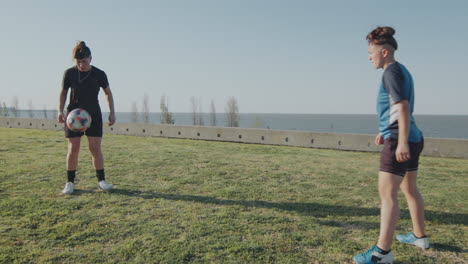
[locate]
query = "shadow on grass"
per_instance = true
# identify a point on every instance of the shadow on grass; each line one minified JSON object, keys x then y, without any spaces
{"x":446,"y":248}
{"x":352,"y":225}
{"x":78,"y":192}
{"x":310,"y":209}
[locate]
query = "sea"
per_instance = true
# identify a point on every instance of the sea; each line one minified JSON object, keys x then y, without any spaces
{"x":435,"y":126}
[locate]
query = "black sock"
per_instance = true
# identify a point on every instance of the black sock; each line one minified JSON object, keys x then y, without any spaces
{"x":419,"y":237}
{"x":100,"y":175}
{"x":71,"y":176}
{"x":384,"y":252}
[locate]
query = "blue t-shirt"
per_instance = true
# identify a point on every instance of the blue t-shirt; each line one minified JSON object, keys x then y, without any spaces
{"x":397,"y":85}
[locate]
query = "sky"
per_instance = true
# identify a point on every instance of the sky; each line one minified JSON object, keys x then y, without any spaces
{"x":272,"y":56}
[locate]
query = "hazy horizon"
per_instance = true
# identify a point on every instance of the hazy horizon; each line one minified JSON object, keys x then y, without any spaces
{"x":273,"y":56}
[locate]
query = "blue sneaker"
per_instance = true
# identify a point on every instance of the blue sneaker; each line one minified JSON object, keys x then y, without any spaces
{"x":411,"y":239}
{"x":374,"y":256}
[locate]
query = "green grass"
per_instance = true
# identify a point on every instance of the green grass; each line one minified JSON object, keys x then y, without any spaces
{"x":186,"y":201}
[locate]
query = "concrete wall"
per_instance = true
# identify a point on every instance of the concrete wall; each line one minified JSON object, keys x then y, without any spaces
{"x":453,"y":148}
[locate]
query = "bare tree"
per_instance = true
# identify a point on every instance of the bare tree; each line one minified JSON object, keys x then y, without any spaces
{"x":166,"y":116}
{"x":30,"y":109}
{"x":201,"y":122}
{"x":197,"y":117}
{"x":232,"y":112}
{"x":134,"y":116}
{"x":5,"y":110}
{"x":193,"y":105}
{"x":15,"y":106}
{"x":44,"y":111}
{"x":145,"y":109}
{"x":212,"y":113}
{"x":54,"y":113}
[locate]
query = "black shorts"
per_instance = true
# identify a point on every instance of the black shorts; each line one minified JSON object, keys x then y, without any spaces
{"x":389,"y":163}
{"x":95,"y":130}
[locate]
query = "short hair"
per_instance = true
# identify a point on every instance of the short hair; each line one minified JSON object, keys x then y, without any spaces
{"x":382,"y":36}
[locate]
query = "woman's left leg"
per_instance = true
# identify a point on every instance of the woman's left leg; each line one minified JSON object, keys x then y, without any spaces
{"x":96,"y":152}
{"x":98,"y":162}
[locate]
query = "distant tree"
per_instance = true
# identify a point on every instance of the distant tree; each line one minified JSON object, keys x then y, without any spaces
{"x":134,"y":115}
{"x":201,"y":121}
{"x":166,"y":116}
{"x":145,"y":109}
{"x":44,"y":111}
{"x":197,"y":117}
{"x":5,"y":111}
{"x":15,"y":106}
{"x":30,"y":109}
{"x":193,"y":105}
{"x":212,"y":113}
{"x":54,"y":113}
{"x":232,"y":112}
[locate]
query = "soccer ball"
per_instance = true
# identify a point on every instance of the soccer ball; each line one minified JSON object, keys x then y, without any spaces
{"x":78,"y":120}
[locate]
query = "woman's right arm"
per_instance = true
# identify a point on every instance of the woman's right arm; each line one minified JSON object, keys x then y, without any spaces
{"x":62,"y":99}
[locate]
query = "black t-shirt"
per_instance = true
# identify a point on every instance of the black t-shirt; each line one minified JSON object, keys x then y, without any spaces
{"x":85,"y":87}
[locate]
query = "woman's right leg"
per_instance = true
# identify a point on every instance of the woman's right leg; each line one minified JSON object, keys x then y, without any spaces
{"x":73,"y":152}
{"x":72,"y":163}
{"x":415,"y":202}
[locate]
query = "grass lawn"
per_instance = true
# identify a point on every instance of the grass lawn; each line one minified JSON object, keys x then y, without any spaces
{"x":187,"y":201}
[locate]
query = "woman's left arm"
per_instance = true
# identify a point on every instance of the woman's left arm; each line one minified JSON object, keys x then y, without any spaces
{"x":110,"y":102}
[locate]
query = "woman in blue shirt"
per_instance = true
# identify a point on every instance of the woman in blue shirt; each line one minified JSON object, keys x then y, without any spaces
{"x":403,"y":143}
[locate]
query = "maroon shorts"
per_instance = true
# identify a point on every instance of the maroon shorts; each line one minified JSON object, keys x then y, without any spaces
{"x":389,"y":163}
